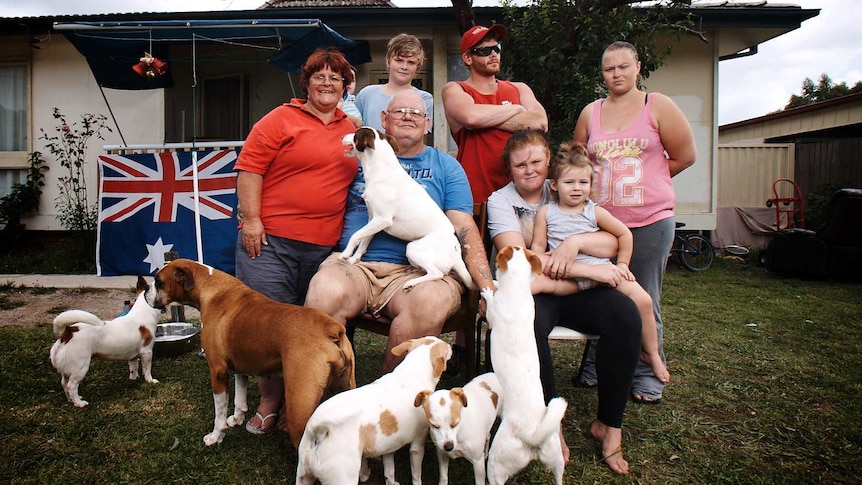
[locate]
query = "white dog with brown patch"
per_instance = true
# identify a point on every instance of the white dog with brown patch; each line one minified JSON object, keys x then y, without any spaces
{"x":374,"y":420}
{"x":401,"y":207}
{"x":460,"y":420}
{"x":83,"y":336}
{"x":529,"y":429}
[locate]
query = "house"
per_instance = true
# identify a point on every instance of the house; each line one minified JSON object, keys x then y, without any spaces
{"x":220,"y":88}
{"x":810,"y":145}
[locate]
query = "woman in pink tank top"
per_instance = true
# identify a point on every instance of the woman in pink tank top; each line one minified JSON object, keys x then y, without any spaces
{"x":637,"y":141}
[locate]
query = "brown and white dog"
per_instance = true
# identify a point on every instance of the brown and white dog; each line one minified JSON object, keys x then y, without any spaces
{"x":460,"y":420}
{"x":83,"y":336}
{"x":247,"y":333}
{"x":376,"y":419}
{"x":401,"y":207}
{"x":529,"y":429}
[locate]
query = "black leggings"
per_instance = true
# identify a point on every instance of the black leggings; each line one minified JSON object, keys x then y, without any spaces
{"x":615,"y":319}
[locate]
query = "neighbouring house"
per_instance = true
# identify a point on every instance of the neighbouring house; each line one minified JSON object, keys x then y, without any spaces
{"x":810,"y":145}
{"x":220,"y":86}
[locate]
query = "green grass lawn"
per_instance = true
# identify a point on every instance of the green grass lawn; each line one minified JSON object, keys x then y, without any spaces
{"x":766,"y":381}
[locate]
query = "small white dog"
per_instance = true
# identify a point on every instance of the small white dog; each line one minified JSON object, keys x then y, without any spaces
{"x":529,"y":430}
{"x":460,"y":421}
{"x":83,"y":335}
{"x":376,"y":419}
{"x":401,"y":207}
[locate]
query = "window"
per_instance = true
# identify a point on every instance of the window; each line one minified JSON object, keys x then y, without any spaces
{"x":13,"y":109}
{"x":14,"y":132}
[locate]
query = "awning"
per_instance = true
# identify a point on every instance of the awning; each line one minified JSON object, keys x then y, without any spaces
{"x":112,"y":48}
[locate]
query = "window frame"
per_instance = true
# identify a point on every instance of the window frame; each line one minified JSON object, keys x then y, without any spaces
{"x":18,"y":159}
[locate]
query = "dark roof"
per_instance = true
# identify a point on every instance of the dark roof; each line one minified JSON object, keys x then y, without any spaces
{"x":718,"y":15}
{"x":325,"y":3}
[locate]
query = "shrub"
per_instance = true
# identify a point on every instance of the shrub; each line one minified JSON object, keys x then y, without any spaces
{"x":23,"y":200}
{"x":69,"y":147}
{"x":817,"y":204}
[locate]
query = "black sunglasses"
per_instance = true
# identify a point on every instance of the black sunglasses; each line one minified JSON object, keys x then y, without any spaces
{"x":486,"y":51}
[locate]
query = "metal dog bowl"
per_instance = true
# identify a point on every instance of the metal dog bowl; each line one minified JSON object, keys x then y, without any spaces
{"x":175,"y":338}
{"x":736,"y":250}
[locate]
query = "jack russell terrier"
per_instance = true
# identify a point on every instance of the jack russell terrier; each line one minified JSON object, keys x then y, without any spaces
{"x":460,"y":421}
{"x":83,"y":335}
{"x":401,"y":207}
{"x":247,"y":333}
{"x":374,"y":420}
{"x":528,"y":430}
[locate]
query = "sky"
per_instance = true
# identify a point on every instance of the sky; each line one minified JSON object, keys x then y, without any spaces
{"x":749,"y":87}
{"x":829,"y":43}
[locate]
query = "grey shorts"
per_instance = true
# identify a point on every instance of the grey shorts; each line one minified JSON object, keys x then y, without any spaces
{"x":283,"y":270}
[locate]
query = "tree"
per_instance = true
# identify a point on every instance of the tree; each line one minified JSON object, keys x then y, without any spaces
{"x":464,"y":17}
{"x":556,"y":46}
{"x":823,"y":90}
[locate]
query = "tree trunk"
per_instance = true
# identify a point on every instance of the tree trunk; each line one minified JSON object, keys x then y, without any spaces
{"x":464,"y":17}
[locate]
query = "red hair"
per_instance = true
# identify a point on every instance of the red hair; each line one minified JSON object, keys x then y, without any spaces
{"x":321,"y":59}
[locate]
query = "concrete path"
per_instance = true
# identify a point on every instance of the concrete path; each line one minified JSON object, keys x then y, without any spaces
{"x":69,"y":281}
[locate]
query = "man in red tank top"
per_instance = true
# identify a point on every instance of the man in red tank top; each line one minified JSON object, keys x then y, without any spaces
{"x":483,"y":111}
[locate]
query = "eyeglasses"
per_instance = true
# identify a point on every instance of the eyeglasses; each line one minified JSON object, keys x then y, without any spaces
{"x":320,"y":79}
{"x":401,"y":113}
{"x":486,"y":51}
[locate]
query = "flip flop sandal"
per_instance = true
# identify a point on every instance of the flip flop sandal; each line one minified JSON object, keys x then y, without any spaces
{"x":262,"y":429}
{"x":610,"y":455}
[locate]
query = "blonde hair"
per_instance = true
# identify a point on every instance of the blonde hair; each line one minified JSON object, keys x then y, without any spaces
{"x":572,"y":154}
{"x":621,"y":44}
{"x":405,"y":45}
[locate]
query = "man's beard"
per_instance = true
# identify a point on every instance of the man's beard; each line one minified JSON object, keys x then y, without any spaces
{"x":486,"y":69}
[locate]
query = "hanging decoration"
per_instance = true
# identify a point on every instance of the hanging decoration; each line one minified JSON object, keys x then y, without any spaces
{"x":150,"y":66}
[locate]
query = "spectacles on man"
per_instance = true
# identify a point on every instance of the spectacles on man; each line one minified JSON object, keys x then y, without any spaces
{"x":486,"y":51}
{"x":401,"y":113}
{"x":320,"y":79}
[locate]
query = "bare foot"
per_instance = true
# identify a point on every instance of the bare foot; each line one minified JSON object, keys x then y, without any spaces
{"x":658,"y":368}
{"x":282,"y":420}
{"x":564,"y":446}
{"x":646,"y":399}
{"x":611,"y":440}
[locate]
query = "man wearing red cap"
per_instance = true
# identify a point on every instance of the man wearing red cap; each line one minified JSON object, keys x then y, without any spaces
{"x":483,"y":111}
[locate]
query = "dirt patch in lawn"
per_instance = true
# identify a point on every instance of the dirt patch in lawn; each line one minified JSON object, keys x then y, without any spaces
{"x":38,"y":306}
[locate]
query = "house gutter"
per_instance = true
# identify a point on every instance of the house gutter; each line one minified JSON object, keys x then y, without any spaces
{"x":743,"y":53}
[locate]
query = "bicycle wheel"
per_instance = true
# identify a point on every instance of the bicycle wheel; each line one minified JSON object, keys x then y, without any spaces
{"x":696,"y":253}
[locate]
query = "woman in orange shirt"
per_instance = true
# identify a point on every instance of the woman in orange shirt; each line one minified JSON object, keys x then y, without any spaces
{"x":292,"y":190}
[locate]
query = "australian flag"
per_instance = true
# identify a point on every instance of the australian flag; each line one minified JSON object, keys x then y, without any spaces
{"x":147,"y":207}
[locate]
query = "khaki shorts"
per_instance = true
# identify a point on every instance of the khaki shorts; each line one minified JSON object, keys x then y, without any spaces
{"x":382,"y":280}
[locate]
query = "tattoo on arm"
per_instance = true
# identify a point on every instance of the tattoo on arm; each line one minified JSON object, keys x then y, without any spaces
{"x":461,"y":234}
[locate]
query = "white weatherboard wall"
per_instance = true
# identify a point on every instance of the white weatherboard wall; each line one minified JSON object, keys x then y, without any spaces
{"x":61,"y":78}
{"x":689,"y":78}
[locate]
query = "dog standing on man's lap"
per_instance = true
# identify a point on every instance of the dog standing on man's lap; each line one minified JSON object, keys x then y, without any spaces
{"x":529,"y":429}
{"x":401,"y":207}
{"x":83,"y":336}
